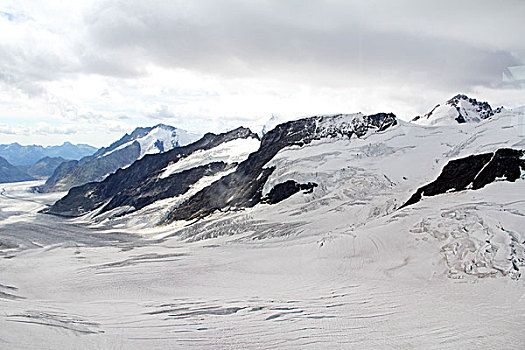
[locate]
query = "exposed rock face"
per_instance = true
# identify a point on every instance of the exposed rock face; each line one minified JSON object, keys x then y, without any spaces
{"x":482,"y":109}
{"x":141,"y":183}
{"x":287,"y":189}
{"x":122,"y":153}
{"x":474,"y":172}
{"x":172,"y":186}
{"x":75,"y":173}
{"x":10,"y":173}
{"x":243,"y":188}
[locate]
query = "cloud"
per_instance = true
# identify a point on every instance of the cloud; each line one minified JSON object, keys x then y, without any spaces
{"x":162,"y":112}
{"x":331,"y":43}
{"x":7,"y":129}
{"x":39,"y":129}
{"x":47,"y":129}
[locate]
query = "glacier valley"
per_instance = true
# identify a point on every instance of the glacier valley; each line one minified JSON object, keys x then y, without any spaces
{"x":248,"y":255}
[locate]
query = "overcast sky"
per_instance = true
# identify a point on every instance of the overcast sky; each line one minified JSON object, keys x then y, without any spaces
{"x":90,"y":71}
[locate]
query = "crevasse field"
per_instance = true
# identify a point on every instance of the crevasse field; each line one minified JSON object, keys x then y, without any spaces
{"x":342,"y":267}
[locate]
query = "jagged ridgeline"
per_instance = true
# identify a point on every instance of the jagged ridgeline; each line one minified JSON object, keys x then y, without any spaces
{"x":240,"y":183}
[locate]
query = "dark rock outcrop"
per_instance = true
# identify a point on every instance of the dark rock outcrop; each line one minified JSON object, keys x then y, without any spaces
{"x":287,"y":189}
{"x":474,"y":172}
{"x":483,"y":109}
{"x":172,"y":186}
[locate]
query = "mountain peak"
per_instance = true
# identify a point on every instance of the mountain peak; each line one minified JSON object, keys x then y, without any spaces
{"x":458,"y":110}
{"x":163,"y":126}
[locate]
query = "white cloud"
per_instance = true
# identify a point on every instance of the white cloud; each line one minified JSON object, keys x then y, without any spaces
{"x":40,"y":128}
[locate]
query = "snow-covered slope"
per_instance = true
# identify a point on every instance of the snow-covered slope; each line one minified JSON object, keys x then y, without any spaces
{"x":376,"y":162}
{"x":157,"y":139}
{"x":234,"y":151}
{"x":459,"y":109}
{"x":335,"y":169}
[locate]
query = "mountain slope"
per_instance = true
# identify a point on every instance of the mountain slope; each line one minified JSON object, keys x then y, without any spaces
{"x":239,"y":188}
{"x":469,"y":232}
{"x":26,"y":155}
{"x":244,"y":187}
{"x":122,"y":153}
{"x":160,"y":176}
{"x":157,"y":139}
{"x":44,"y":168}
{"x":10,"y":173}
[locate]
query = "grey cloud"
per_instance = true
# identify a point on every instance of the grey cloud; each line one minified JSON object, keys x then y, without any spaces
{"x":119,"y":63}
{"x":27,"y":68}
{"x":315,"y":42}
{"x":338,"y":43}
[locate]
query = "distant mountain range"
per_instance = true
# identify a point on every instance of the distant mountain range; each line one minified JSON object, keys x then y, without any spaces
{"x":17,"y":154}
{"x":71,"y":165}
{"x":37,"y":171}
